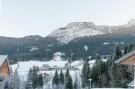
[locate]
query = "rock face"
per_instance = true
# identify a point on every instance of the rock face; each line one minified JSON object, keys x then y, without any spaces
{"x":86,"y":29}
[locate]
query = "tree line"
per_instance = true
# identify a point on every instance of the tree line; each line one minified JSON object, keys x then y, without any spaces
{"x":34,"y":79}
{"x":109,"y":74}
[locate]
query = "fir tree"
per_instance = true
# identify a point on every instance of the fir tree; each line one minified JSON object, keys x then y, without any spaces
{"x":97,"y":71}
{"x":68,"y":81}
{"x":85,"y":74}
{"x":118,"y":53}
{"x":125,"y":50}
{"x":56,"y":78}
{"x":118,"y":72}
{"x":61,"y":77}
{"x":16,"y":80}
{"x":29,"y":80}
{"x":40,"y":81}
{"x":67,"y":73}
{"x":34,"y":77}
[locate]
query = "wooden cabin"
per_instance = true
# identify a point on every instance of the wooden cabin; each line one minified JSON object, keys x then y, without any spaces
{"x":128,"y":59}
{"x":4,"y":70}
{"x":4,"y":66}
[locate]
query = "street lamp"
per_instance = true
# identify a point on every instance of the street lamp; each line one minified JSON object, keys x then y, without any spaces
{"x":90,"y":83}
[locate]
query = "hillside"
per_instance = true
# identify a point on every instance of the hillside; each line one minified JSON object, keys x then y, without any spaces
{"x":76,"y":40}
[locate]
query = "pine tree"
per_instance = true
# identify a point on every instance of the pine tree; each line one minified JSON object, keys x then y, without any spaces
{"x":68,"y":81}
{"x":29,"y":80}
{"x":114,"y":76}
{"x":61,"y":77}
{"x":16,"y":80}
{"x":103,"y":83}
{"x":109,"y":74}
{"x":118,"y":72}
{"x":34,"y":77}
{"x":61,"y":80}
{"x":118,"y":53}
{"x":40,"y":81}
{"x":56,"y":78}
{"x":85,"y":74}
{"x":125,"y":50}
{"x":130,"y":48}
{"x":67,"y":73}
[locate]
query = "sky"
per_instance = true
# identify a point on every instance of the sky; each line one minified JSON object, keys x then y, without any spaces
{"x":20,"y":18}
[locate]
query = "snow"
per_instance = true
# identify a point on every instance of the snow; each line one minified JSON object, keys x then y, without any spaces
{"x":116,"y":43}
{"x":106,"y":43}
{"x":57,"y":56}
{"x":85,"y":29}
{"x":75,"y":30}
{"x":34,"y":48}
{"x":131,"y":23}
{"x":24,"y":67}
{"x":86,"y":48}
{"x":77,"y":63}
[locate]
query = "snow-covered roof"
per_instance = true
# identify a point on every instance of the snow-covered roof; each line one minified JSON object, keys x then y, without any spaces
{"x":2,"y":59}
{"x":125,"y":57}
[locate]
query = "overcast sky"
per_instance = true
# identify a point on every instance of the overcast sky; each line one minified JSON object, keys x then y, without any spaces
{"x":40,"y":17}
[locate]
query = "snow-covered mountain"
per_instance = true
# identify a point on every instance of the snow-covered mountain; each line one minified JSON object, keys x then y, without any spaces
{"x":131,"y":23}
{"x":85,"y":29}
{"x":75,"y":30}
{"x":80,"y":39}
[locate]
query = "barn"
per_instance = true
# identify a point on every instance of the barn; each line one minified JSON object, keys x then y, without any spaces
{"x":4,"y":70}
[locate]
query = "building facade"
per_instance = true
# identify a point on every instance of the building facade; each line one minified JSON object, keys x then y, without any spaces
{"x":4,"y":70}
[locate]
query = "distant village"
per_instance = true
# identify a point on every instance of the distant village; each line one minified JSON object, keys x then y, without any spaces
{"x":46,"y":68}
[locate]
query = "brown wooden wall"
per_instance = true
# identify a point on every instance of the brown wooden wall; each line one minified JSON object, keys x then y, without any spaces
{"x":4,"y":69}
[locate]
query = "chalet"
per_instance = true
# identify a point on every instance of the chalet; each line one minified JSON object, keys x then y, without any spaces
{"x":4,"y":70}
{"x":128,"y":59}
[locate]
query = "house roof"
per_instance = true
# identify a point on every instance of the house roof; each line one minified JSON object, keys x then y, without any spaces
{"x":2,"y":59}
{"x":125,"y":57}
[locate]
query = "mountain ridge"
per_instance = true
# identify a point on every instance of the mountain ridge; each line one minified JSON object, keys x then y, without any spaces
{"x":104,"y":44}
{"x":81,"y":29}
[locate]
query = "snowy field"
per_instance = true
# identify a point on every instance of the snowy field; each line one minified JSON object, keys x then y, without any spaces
{"x":24,"y":67}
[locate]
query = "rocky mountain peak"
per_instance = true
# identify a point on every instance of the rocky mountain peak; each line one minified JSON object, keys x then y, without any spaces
{"x":81,"y":25}
{"x":131,"y":23}
{"x":86,"y":29}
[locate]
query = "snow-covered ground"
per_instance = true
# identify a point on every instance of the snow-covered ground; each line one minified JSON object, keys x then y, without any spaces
{"x":24,"y":67}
